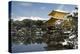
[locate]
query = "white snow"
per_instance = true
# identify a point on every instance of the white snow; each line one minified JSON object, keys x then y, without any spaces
{"x":32,"y":17}
{"x":61,"y":11}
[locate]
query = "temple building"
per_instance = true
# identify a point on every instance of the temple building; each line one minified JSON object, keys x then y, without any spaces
{"x":56,"y":17}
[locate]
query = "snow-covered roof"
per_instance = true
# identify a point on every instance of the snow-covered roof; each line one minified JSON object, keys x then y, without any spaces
{"x":61,"y":11}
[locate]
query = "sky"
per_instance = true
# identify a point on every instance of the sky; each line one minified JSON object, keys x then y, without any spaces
{"x":35,"y":11}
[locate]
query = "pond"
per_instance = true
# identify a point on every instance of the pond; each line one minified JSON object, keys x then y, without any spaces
{"x":28,"y":48}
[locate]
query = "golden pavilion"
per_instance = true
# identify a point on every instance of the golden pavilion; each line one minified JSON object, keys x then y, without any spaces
{"x":56,"y":15}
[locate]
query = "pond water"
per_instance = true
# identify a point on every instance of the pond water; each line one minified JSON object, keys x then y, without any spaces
{"x":29,"y":47}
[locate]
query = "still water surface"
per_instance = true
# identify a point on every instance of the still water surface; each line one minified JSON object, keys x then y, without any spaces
{"x":28,"y":48}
